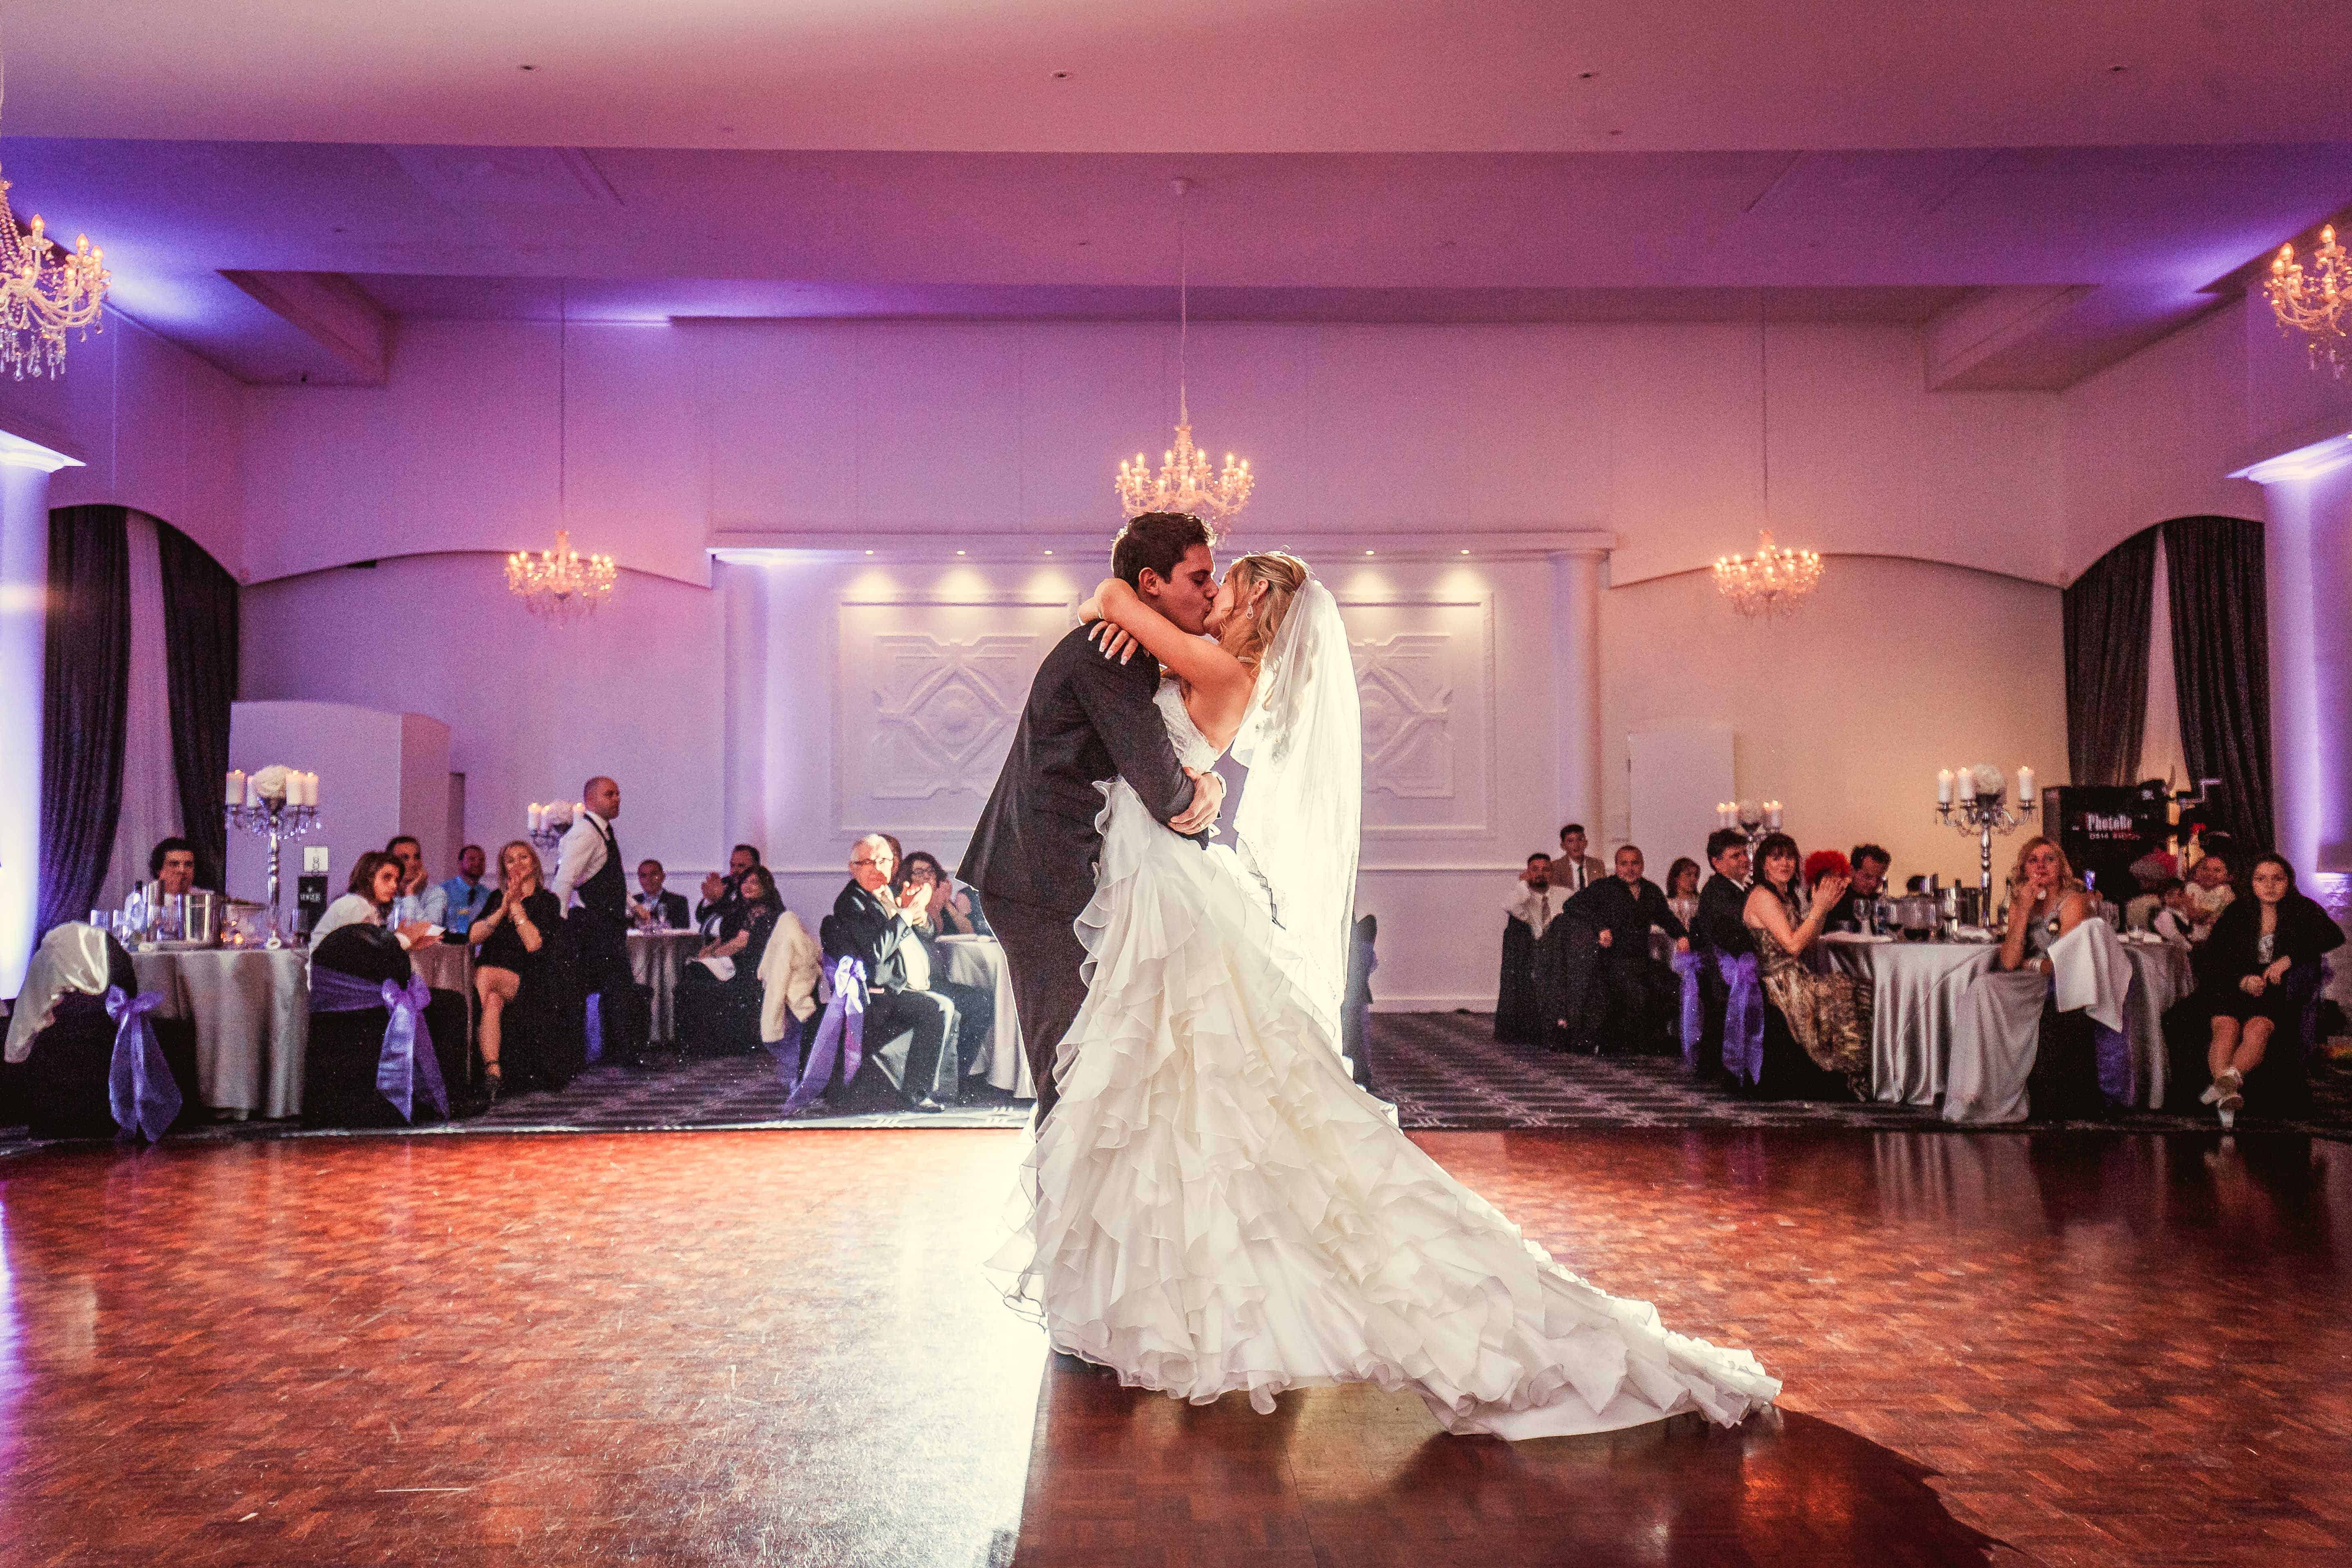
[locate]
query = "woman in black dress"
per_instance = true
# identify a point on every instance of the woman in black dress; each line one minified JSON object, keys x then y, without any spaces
{"x":512,"y":960}
{"x":2254,"y":973}
{"x":721,"y":1018}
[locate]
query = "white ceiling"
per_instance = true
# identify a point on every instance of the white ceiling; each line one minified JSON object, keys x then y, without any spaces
{"x":1243,"y":76}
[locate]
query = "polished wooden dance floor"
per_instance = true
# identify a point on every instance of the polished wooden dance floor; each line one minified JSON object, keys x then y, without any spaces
{"x":778,"y":1348}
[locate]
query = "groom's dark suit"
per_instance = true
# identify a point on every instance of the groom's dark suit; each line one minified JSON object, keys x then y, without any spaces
{"x":1088,"y":720}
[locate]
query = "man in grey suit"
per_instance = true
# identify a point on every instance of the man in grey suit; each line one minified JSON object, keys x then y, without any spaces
{"x":1089,"y":719}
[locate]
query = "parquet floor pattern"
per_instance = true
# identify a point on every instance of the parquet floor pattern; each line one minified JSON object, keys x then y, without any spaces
{"x":746,"y":1348}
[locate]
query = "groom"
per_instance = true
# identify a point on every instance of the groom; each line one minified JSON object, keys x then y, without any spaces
{"x":1088,"y":720}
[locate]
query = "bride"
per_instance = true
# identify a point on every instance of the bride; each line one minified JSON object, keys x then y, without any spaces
{"x":1215,"y":1204}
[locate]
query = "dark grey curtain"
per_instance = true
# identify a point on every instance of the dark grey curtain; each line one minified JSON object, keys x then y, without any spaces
{"x":2107,"y":613}
{"x":86,"y":670}
{"x":2222,"y":665}
{"x":200,"y":644}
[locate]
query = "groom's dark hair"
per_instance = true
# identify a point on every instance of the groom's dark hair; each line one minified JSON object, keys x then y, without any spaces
{"x":1157,"y":540}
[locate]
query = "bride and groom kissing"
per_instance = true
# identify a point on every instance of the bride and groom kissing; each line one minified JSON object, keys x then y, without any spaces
{"x":1213,"y":1204}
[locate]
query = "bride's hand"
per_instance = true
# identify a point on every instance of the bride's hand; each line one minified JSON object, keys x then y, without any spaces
{"x":1115,"y":644}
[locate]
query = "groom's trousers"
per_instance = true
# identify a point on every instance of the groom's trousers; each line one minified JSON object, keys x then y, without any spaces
{"x":1043,"y":950}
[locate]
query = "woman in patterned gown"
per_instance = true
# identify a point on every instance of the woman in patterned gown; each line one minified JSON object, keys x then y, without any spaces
{"x":1829,"y":1015}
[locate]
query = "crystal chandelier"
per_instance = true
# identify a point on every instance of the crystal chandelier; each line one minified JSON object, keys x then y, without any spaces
{"x":2314,"y":302}
{"x":45,"y":291}
{"x":562,"y":584}
{"x":1771,"y":580}
{"x":1184,"y":482}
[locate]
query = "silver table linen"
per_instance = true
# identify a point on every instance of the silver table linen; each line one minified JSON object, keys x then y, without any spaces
{"x":2000,"y":1030}
{"x":980,"y":960}
{"x":1915,"y":989}
{"x":655,"y":957}
{"x":251,"y":1007}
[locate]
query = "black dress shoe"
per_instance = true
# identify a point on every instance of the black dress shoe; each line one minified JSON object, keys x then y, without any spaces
{"x":929,"y":1106}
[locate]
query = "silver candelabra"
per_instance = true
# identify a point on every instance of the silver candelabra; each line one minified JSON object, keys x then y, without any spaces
{"x":1984,"y":815}
{"x":546,"y":837}
{"x":277,"y":822}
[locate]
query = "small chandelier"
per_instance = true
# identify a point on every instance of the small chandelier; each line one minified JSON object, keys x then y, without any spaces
{"x":2314,"y":302}
{"x":1184,"y":482}
{"x":1769,"y":581}
{"x":45,"y":291}
{"x":562,"y":584}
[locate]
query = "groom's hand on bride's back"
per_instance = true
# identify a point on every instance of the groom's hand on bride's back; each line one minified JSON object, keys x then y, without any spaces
{"x":1208,"y":799}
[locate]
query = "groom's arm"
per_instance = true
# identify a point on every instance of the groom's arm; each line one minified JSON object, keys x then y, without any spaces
{"x":1123,"y":714}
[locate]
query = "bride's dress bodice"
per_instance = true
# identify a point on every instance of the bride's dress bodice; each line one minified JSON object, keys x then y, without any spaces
{"x":1193,"y":747}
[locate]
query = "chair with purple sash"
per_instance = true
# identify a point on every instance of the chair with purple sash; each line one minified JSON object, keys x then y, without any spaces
{"x":1730,"y":1033}
{"x":85,"y":1061}
{"x":372,"y":1061}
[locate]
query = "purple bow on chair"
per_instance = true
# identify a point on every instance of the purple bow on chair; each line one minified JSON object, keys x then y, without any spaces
{"x":1743,"y":1018}
{"x":1693,"y":1021}
{"x":407,"y":1058}
{"x":841,"y":1031}
{"x":139,"y":1087}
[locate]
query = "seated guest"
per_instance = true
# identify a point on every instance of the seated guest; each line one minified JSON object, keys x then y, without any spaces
{"x":1528,"y":915}
{"x":934,"y":915}
{"x":418,"y":899}
{"x":374,"y":885}
{"x":1719,"y":937}
{"x":515,"y":964}
{"x":1867,"y":865}
{"x":2257,"y":970}
{"x":718,"y":892}
{"x":173,"y":866}
{"x":466,"y":895}
{"x":1827,"y":1015}
{"x":2046,"y":900}
{"x":652,"y":909}
{"x":2209,"y":893}
{"x":2174,"y":917}
{"x":2149,"y":874}
{"x":1682,"y":888}
{"x":869,"y":924}
{"x":947,"y":909}
{"x":719,"y":991}
{"x":1634,"y":986}
{"x":1572,"y":870}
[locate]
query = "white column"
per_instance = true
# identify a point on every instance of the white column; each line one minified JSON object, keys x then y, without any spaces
{"x":25,"y":470}
{"x":2307,"y":539}
{"x":1576,"y":684}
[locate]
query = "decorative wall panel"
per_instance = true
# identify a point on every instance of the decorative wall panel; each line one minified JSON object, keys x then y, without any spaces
{"x":1424,"y":669}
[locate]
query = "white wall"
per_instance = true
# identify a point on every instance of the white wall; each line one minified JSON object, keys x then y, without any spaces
{"x":380,"y":773}
{"x":533,"y":710}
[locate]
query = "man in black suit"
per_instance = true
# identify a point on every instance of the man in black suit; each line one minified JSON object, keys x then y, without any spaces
{"x":721,"y":895}
{"x":652,"y":907}
{"x":1628,"y":1000}
{"x":1720,"y":929}
{"x":1088,"y":720}
{"x":869,"y":924}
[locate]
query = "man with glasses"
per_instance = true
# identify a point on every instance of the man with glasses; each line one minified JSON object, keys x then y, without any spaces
{"x":869,"y":924}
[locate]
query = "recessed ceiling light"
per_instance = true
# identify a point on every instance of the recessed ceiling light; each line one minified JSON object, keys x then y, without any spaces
{"x":527,"y":68}
{"x":1061,"y":75}
{"x":1616,"y":133}
{"x":2117,"y":71}
{"x":869,"y":553}
{"x":959,"y":552}
{"x":1367,"y":553}
{"x":1584,"y":76}
{"x":1049,"y":552}
{"x":1466,"y":553}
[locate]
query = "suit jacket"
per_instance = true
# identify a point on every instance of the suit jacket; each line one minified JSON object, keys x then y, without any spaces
{"x":869,"y":926}
{"x":1718,"y":926}
{"x":671,"y":907}
{"x":1593,"y":873}
{"x":1088,"y":719}
{"x":1626,"y":911}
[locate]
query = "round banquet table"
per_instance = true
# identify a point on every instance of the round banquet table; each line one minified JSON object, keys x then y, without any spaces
{"x":980,"y":960}
{"x":251,"y":1009}
{"x":654,"y":959}
{"x":1917,"y":986}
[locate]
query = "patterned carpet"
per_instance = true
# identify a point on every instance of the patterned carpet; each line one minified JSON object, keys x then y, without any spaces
{"x":1444,"y":1071}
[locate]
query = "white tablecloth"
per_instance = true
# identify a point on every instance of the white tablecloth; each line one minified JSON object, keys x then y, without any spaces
{"x":251,"y":1007}
{"x":1917,"y":987}
{"x":980,"y":960}
{"x":654,"y":959}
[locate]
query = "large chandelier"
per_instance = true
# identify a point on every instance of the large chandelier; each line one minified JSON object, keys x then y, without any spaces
{"x":2314,"y":302}
{"x":1184,"y":482}
{"x":45,"y":291}
{"x":1769,"y":581}
{"x":562,"y":584}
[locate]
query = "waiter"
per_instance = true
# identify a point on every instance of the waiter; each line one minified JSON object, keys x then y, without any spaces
{"x":588,"y":862}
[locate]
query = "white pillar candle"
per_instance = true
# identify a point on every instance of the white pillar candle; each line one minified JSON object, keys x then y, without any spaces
{"x":1966,"y":776}
{"x":1943,"y":786}
{"x":293,"y":787}
{"x":537,"y":818}
{"x":1772,"y":815}
{"x":2025,"y":786}
{"x":311,"y":791}
{"x":252,"y":791}
{"x":236,"y":787}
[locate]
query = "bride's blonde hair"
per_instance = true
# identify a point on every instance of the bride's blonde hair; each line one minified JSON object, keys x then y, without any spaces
{"x":1265,"y":585}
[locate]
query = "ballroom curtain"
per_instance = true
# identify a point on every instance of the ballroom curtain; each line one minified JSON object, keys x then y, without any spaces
{"x":200,"y":631}
{"x":2106,"y":613}
{"x":148,"y":810}
{"x":86,"y":669}
{"x":2222,"y":665}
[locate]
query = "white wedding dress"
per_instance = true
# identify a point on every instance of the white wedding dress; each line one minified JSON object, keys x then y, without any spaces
{"x":1215,"y":1206}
